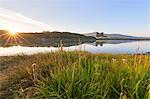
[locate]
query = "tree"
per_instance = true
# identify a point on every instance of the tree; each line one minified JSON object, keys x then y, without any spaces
{"x":102,"y":34}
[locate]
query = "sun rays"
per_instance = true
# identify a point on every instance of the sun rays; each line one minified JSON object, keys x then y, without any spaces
{"x":16,"y":22}
{"x":11,"y":37}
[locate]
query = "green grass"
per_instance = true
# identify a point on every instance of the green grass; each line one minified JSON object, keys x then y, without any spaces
{"x":76,"y":75}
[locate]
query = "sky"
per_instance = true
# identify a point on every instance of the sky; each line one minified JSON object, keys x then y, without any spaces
{"x":129,"y":17}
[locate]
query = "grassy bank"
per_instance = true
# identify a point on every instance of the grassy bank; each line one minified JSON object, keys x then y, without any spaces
{"x":76,"y":75}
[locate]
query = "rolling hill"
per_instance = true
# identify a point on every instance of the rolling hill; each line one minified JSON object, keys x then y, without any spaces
{"x":45,"y":38}
{"x":114,"y":36}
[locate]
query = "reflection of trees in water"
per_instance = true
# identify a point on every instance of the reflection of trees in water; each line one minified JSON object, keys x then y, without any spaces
{"x":68,"y":42}
{"x":102,"y":42}
{"x":53,"y":43}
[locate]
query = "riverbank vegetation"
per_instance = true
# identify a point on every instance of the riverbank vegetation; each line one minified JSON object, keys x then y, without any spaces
{"x":75,"y":75}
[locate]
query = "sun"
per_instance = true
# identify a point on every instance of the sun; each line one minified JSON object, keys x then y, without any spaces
{"x":13,"y":31}
{"x":12,"y":36}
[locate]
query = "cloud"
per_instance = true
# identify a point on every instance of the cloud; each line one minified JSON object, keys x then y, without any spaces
{"x":14,"y":20}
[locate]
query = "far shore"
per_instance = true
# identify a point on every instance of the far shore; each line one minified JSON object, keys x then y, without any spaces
{"x":136,"y":39}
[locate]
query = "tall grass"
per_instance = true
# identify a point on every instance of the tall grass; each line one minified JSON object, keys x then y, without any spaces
{"x":78,"y":75}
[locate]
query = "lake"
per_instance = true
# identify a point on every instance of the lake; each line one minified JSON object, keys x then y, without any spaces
{"x":114,"y":46}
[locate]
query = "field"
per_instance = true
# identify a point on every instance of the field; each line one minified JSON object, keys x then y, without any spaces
{"x":75,"y":75}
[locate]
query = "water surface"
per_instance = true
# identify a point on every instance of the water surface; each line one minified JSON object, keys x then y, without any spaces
{"x":115,"y":47}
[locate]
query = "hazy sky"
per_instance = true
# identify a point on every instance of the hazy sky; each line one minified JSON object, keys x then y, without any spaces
{"x":130,"y":17}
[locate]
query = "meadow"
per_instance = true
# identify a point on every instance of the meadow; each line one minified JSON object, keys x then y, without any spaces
{"x":75,"y":74}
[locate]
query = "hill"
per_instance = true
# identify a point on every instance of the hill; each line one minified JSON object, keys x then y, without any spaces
{"x":45,"y":39}
{"x":104,"y":36}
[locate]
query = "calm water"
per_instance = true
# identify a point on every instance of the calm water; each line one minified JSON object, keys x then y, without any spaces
{"x":114,"y":47}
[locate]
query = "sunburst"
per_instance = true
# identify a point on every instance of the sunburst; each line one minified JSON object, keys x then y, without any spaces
{"x":11,"y":37}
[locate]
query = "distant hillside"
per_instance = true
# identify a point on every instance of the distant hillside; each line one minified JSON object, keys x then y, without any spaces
{"x":47,"y":39}
{"x":103,"y":36}
{"x":93,"y":34}
{"x":3,"y":31}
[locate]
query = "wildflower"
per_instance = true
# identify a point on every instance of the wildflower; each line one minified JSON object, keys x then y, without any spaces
{"x":33,"y":66}
{"x":123,"y":95}
{"x":124,"y":60}
{"x":34,"y":72}
{"x":113,"y":59}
